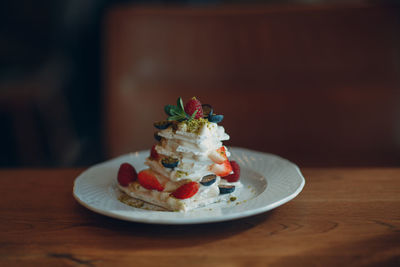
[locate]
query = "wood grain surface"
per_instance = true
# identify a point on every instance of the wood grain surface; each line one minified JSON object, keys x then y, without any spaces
{"x":343,"y":217}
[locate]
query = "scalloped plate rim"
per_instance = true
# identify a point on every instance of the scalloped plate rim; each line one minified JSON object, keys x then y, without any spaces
{"x":196,"y":220}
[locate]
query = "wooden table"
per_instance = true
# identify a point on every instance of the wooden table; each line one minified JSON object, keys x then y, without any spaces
{"x":343,"y":217}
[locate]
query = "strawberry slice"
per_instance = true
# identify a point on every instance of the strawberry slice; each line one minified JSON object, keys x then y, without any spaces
{"x":234,"y":177}
{"x":126,"y":174}
{"x":219,"y":155}
{"x":186,"y":190}
{"x":222,"y":169}
{"x":148,"y":180}
{"x":153,"y":153}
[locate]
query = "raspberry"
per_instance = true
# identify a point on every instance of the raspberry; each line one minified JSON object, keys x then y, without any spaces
{"x":234,"y":177}
{"x":192,"y":106}
{"x":153,"y":153}
{"x":126,"y":174}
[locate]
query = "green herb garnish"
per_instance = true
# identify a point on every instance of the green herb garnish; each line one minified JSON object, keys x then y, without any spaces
{"x":177,"y":113}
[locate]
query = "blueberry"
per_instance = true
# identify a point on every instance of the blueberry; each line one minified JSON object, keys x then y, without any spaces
{"x":208,"y":179}
{"x":169,"y":162}
{"x":157,"y":137}
{"x":226,"y":189}
{"x":162,"y":124}
{"x":215,"y":118}
{"x":207,"y":110}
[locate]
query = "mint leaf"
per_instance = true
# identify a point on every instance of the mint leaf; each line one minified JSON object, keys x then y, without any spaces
{"x":176,"y":113}
{"x":179,"y":103}
{"x":168,"y":108}
{"x":179,"y":117}
{"x":173,"y":118}
{"x":194,"y":114}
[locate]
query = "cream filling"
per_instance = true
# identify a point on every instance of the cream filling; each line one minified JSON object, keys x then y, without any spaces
{"x":206,"y":195}
{"x":206,"y":134}
{"x":193,"y":151}
{"x":193,"y":171}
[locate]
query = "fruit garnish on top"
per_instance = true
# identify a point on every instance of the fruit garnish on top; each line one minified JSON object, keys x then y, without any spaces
{"x":178,"y":112}
{"x":193,"y":110}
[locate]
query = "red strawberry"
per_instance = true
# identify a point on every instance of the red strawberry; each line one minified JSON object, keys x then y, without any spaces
{"x":234,"y":177}
{"x":148,"y":180}
{"x":186,"y":190}
{"x":126,"y":174}
{"x":219,"y":155}
{"x":222,"y":169}
{"x":192,"y":106}
{"x":153,"y":153}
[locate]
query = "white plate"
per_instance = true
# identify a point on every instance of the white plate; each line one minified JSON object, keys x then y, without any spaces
{"x":269,"y":181}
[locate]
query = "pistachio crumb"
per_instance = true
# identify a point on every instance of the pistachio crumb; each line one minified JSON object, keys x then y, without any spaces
{"x":180,"y":174}
{"x":194,"y":126}
{"x":130,"y":201}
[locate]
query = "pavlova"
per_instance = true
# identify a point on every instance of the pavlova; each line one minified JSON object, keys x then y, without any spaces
{"x":188,"y":167}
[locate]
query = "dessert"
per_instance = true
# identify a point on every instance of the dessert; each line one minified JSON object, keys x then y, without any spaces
{"x":189,"y":165}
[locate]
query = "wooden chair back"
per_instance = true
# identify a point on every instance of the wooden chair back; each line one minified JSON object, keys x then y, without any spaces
{"x":316,"y":84}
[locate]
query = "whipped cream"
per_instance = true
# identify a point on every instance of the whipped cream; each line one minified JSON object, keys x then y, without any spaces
{"x":196,"y":147}
{"x":191,"y":149}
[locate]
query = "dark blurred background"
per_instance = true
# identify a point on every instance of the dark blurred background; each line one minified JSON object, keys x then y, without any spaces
{"x":314,"y":81}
